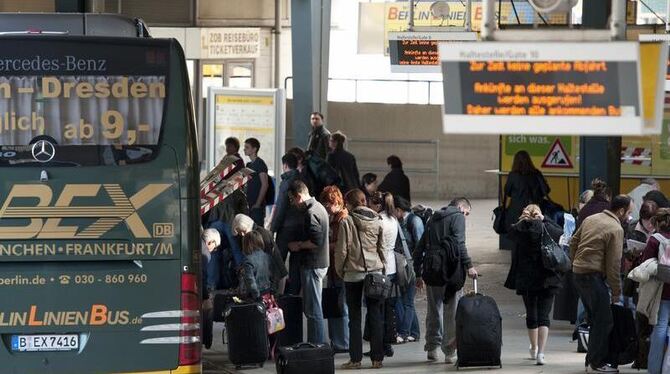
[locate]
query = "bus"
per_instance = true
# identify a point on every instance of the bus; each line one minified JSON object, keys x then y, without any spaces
{"x":99,"y":205}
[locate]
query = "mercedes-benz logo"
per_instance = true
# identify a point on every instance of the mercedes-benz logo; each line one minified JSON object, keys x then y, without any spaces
{"x":43,"y":151}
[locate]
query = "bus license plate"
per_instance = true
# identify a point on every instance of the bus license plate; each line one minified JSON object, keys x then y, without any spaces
{"x":45,"y":343}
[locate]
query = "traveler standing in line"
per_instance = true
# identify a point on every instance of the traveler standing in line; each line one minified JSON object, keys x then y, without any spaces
{"x":256,"y":278}
{"x":396,"y":182}
{"x":441,"y":324}
{"x":232,"y":145}
{"x":319,"y":136}
{"x":596,"y":249}
{"x":369,"y":185}
{"x":314,"y":257}
{"x":602,"y":195}
{"x":338,"y":329}
{"x":525,"y":185}
{"x":306,"y":174}
{"x":358,"y":252}
{"x":660,"y":331}
{"x":536,"y":284}
{"x":343,"y":162}
{"x":412,"y":230}
{"x":258,"y":186}
{"x":382,"y":203}
{"x":637,"y":194}
{"x":242,"y":225}
{"x":659,"y":198}
{"x":287,"y":222}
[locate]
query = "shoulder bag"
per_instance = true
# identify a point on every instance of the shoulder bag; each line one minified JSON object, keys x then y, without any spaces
{"x":553,"y":256}
{"x":375,"y":285}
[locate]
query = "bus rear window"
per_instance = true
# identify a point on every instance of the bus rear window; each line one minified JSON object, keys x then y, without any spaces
{"x":98,"y":103}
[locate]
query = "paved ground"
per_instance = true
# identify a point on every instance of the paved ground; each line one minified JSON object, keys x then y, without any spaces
{"x":493,"y":264}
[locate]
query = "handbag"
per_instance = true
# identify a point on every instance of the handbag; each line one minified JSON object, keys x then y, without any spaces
{"x":404,"y":264}
{"x":553,"y":256}
{"x":332,"y":302}
{"x":499,"y":220}
{"x":274,"y":315}
{"x":375,"y":285}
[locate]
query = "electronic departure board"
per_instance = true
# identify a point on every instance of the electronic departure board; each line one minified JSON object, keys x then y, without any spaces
{"x":417,"y":52}
{"x":543,"y":88}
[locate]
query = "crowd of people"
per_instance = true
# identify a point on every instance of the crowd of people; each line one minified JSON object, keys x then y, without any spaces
{"x":331,"y":228}
{"x":617,"y":248}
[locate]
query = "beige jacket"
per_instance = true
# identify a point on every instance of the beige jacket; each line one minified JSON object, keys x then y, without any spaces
{"x":348,"y":255}
{"x":597,"y":247}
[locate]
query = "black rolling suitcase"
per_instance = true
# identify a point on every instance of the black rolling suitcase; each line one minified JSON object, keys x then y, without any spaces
{"x":221,"y":299}
{"x":246,"y":328}
{"x":478,"y":331}
{"x":293,"y":332}
{"x":306,"y":358}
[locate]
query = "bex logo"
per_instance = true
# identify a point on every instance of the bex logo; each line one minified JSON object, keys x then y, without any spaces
{"x":45,"y":218}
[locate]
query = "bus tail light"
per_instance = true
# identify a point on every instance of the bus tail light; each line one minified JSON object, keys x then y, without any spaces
{"x":190,"y":346}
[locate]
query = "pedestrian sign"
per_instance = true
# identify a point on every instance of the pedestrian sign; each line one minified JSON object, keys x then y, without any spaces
{"x":557,"y":157}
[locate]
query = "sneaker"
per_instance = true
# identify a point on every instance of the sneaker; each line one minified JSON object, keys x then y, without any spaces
{"x":377,"y":365}
{"x":399,"y":340}
{"x":450,"y":358}
{"x":410,"y":339}
{"x":432,"y":355}
{"x":540,"y":358}
{"x":607,"y":368}
{"x":350,"y":365}
{"x":533,"y":352}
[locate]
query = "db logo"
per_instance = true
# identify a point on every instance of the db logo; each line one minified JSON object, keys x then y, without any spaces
{"x":45,"y":217}
{"x":163,"y":230}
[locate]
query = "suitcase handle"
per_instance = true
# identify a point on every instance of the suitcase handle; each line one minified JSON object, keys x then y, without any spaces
{"x":301,"y":345}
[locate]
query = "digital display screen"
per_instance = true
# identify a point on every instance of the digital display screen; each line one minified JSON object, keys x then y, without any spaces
{"x":542,"y":88}
{"x":414,"y":52}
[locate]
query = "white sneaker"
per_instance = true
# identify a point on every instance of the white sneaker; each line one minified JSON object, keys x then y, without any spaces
{"x":533,"y":352}
{"x":540,"y":358}
{"x":603,"y":369}
{"x":399,"y":340}
{"x":432,"y":355}
{"x":451,"y":358}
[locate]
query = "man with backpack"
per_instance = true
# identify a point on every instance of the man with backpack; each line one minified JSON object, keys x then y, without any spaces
{"x":441,"y":262}
{"x":258,"y":187}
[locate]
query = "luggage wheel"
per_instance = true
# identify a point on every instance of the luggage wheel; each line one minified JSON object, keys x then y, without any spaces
{"x":238,"y":367}
{"x":261,"y":365}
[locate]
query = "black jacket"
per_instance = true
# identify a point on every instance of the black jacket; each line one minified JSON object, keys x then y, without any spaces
{"x":596,"y":205}
{"x":527,"y":274}
{"x":397,"y":183}
{"x":318,"y":141}
{"x":445,"y":222}
{"x":345,"y":164}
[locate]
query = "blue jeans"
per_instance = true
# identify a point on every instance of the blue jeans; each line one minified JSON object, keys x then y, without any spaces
{"x":312,"y":283}
{"x":338,"y":328}
{"x":658,"y":338}
{"x":408,"y":322}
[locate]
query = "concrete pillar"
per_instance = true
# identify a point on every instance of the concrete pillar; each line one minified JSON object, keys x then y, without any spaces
{"x":310,"y":40}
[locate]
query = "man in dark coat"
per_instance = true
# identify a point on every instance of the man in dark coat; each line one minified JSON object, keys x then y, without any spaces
{"x":343,"y":162}
{"x":319,"y":136}
{"x":396,"y":182}
{"x":288,"y":222}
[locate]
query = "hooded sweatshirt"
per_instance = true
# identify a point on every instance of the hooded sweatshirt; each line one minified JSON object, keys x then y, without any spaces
{"x":445,"y":222}
{"x":359,"y":245}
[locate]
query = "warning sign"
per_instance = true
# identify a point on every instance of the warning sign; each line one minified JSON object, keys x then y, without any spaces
{"x":557,"y":157}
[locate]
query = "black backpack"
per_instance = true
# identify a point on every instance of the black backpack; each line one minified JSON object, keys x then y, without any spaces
{"x":442,"y":259}
{"x":424,"y":213}
{"x":324,"y":174}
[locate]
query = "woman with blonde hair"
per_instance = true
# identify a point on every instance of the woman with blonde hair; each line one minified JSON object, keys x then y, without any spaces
{"x":528,"y":276}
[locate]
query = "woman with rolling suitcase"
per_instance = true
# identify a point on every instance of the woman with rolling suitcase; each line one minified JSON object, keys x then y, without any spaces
{"x":536,"y":284}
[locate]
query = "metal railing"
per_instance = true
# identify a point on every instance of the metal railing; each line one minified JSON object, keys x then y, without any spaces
{"x":425,"y":91}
